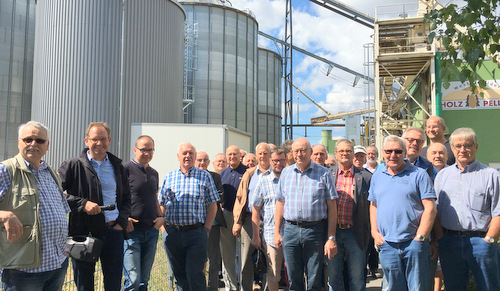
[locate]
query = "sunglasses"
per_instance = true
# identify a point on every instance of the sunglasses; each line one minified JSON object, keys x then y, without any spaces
{"x":29,"y":140}
{"x":397,"y":152}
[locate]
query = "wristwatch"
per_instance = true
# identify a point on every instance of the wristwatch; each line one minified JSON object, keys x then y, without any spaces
{"x":332,"y":238}
{"x":420,"y":237}
{"x":490,"y":239}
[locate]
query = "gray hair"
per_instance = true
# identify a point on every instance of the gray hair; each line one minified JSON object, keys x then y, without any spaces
{"x":414,"y":128}
{"x":263,"y":143}
{"x":369,"y":147}
{"x":464,"y":133}
{"x":185,"y":144}
{"x":395,"y":138}
{"x":35,"y":124}
{"x":344,"y":140}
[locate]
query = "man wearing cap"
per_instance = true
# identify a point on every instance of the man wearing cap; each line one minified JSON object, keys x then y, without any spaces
{"x":359,"y":158}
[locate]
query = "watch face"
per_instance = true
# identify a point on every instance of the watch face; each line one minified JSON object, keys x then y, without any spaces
{"x":491,"y":240}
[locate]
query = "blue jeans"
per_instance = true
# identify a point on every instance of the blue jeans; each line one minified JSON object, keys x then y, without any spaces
{"x":459,"y":254}
{"x":111,"y":262}
{"x":347,"y":247}
{"x":406,"y":265}
{"x":303,"y":249}
{"x":138,"y":256}
{"x":14,"y":280}
{"x":187,"y":253}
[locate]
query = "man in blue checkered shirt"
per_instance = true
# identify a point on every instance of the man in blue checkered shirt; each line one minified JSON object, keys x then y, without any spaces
{"x":188,"y":198}
{"x":307,"y":203}
{"x":33,"y":218}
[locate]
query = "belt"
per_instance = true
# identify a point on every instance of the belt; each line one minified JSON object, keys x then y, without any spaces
{"x":344,"y":226}
{"x":186,"y":227}
{"x":111,"y":223}
{"x":304,"y":223}
{"x":470,"y":233}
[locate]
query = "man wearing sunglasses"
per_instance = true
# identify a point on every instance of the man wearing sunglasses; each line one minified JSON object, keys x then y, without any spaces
{"x":33,"y":222}
{"x":414,"y":137}
{"x":96,"y":179}
{"x":402,"y":212}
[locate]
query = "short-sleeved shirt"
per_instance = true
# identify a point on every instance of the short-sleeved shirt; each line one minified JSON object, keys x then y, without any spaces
{"x":399,"y":201}
{"x":53,"y":216}
{"x":143,"y":184}
{"x":186,"y":196}
{"x":468,"y":199}
{"x":266,"y":196}
{"x":231,"y":179}
{"x":305,"y":194}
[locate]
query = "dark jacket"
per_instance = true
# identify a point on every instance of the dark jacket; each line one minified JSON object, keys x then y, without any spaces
{"x":361,"y":206}
{"x":82,"y":184}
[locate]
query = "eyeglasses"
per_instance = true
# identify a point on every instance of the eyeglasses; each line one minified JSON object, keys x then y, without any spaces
{"x":466,"y":146}
{"x":96,"y":140}
{"x":278,"y":161}
{"x":412,"y":140}
{"x":29,"y":140}
{"x":146,"y":151}
{"x":344,"y":151}
{"x":397,"y":152}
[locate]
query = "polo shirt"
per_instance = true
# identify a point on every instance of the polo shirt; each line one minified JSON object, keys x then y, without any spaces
{"x":231,"y":179}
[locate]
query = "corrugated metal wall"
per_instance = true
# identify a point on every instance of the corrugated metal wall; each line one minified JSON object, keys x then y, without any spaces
{"x":225,"y":80}
{"x":269,"y":102}
{"x":17,"y":38}
{"x":85,"y":71}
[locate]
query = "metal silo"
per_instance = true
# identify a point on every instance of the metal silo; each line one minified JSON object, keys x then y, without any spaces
{"x":117,"y":61}
{"x":269,"y":92}
{"x":17,"y":38}
{"x":221,"y":65}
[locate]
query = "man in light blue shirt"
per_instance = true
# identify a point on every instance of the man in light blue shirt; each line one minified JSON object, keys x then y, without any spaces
{"x":307,"y":203}
{"x":469,"y":211}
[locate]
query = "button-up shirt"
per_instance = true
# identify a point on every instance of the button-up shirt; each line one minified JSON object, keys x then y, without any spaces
{"x":231,"y":179}
{"x":305,"y":194}
{"x":468,"y":199}
{"x":53,"y":216}
{"x":186,"y":196}
{"x":253,"y":184}
{"x":266,"y":196}
{"x":106,"y":174}
{"x":345,"y":189}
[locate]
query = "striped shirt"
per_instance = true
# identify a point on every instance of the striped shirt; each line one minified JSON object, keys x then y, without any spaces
{"x":345,"y":189}
{"x":266,"y":196}
{"x":186,"y":196}
{"x":305,"y":193}
{"x":53,"y":216}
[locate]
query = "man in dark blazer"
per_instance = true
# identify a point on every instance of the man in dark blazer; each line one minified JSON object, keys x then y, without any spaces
{"x":353,"y":226}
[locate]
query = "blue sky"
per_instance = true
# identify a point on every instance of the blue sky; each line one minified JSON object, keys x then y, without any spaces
{"x":329,"y":35}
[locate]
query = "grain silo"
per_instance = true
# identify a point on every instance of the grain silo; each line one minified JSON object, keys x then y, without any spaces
{"x":221,"y":65}
{"x":119,"y":61}
{"x":17,"y":38}
{"x":269,"y":97}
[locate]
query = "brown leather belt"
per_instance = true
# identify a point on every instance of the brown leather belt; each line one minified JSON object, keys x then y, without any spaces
{"x":186,"y":227}
{"x":111,"y":223}
{"x":344,"y":226}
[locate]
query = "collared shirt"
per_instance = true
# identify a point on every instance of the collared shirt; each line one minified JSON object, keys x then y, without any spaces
{"x":231,"y":179}
{"x":53,"y":216}
{"x":305,"y":193}
{"x":468,"y":199}
{"x":106,"y":174}
{"x":186,"y":196}
{"x":345,"y":186}
{"x":266,"y":196}
{"x":370,"y":169}
{"x":399,"y":201}
{"x":253,"y":184}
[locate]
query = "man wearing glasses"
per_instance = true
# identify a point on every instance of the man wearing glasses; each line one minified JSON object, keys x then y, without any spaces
{"x":402,"y":212}
{"x":33,"y":222}
{"x":145,"y":216}
{"x":96,"y":179}
{"x":469,"y":211}
{"x":414,"y":137}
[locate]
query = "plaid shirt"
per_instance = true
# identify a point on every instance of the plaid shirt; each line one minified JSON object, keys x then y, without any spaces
{"x":266,"y":196}
{"x":305,"y":193}
{"x":345,"y":186}
{"x":186,"y":197}
{"x":53,"y":216}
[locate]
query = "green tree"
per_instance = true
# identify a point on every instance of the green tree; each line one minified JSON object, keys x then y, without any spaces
{"x":470,"y":35}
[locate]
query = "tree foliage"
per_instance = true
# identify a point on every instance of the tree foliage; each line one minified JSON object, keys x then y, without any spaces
{"x":470,"y":35}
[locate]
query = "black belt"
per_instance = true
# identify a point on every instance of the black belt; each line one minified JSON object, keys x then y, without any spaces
{"x":304,"y":223}
{"x":186,"y":227}
{"x":344,"y":226}
{"x":470,"y":233}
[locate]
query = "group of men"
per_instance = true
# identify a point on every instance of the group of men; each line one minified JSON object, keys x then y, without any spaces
{"x":288,"y":203}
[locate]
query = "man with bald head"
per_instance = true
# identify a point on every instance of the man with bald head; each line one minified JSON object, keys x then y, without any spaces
{"x":437,"y":154}
{"x":231,"y":177}
{"x":319,"y":154}
{"x":435,"y":129}
{"x":188,"y":199}
{"x":250,"y":160}
{"x":220,"y":163}
{"x":242,"y":212}
{"x":307,"y":207}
